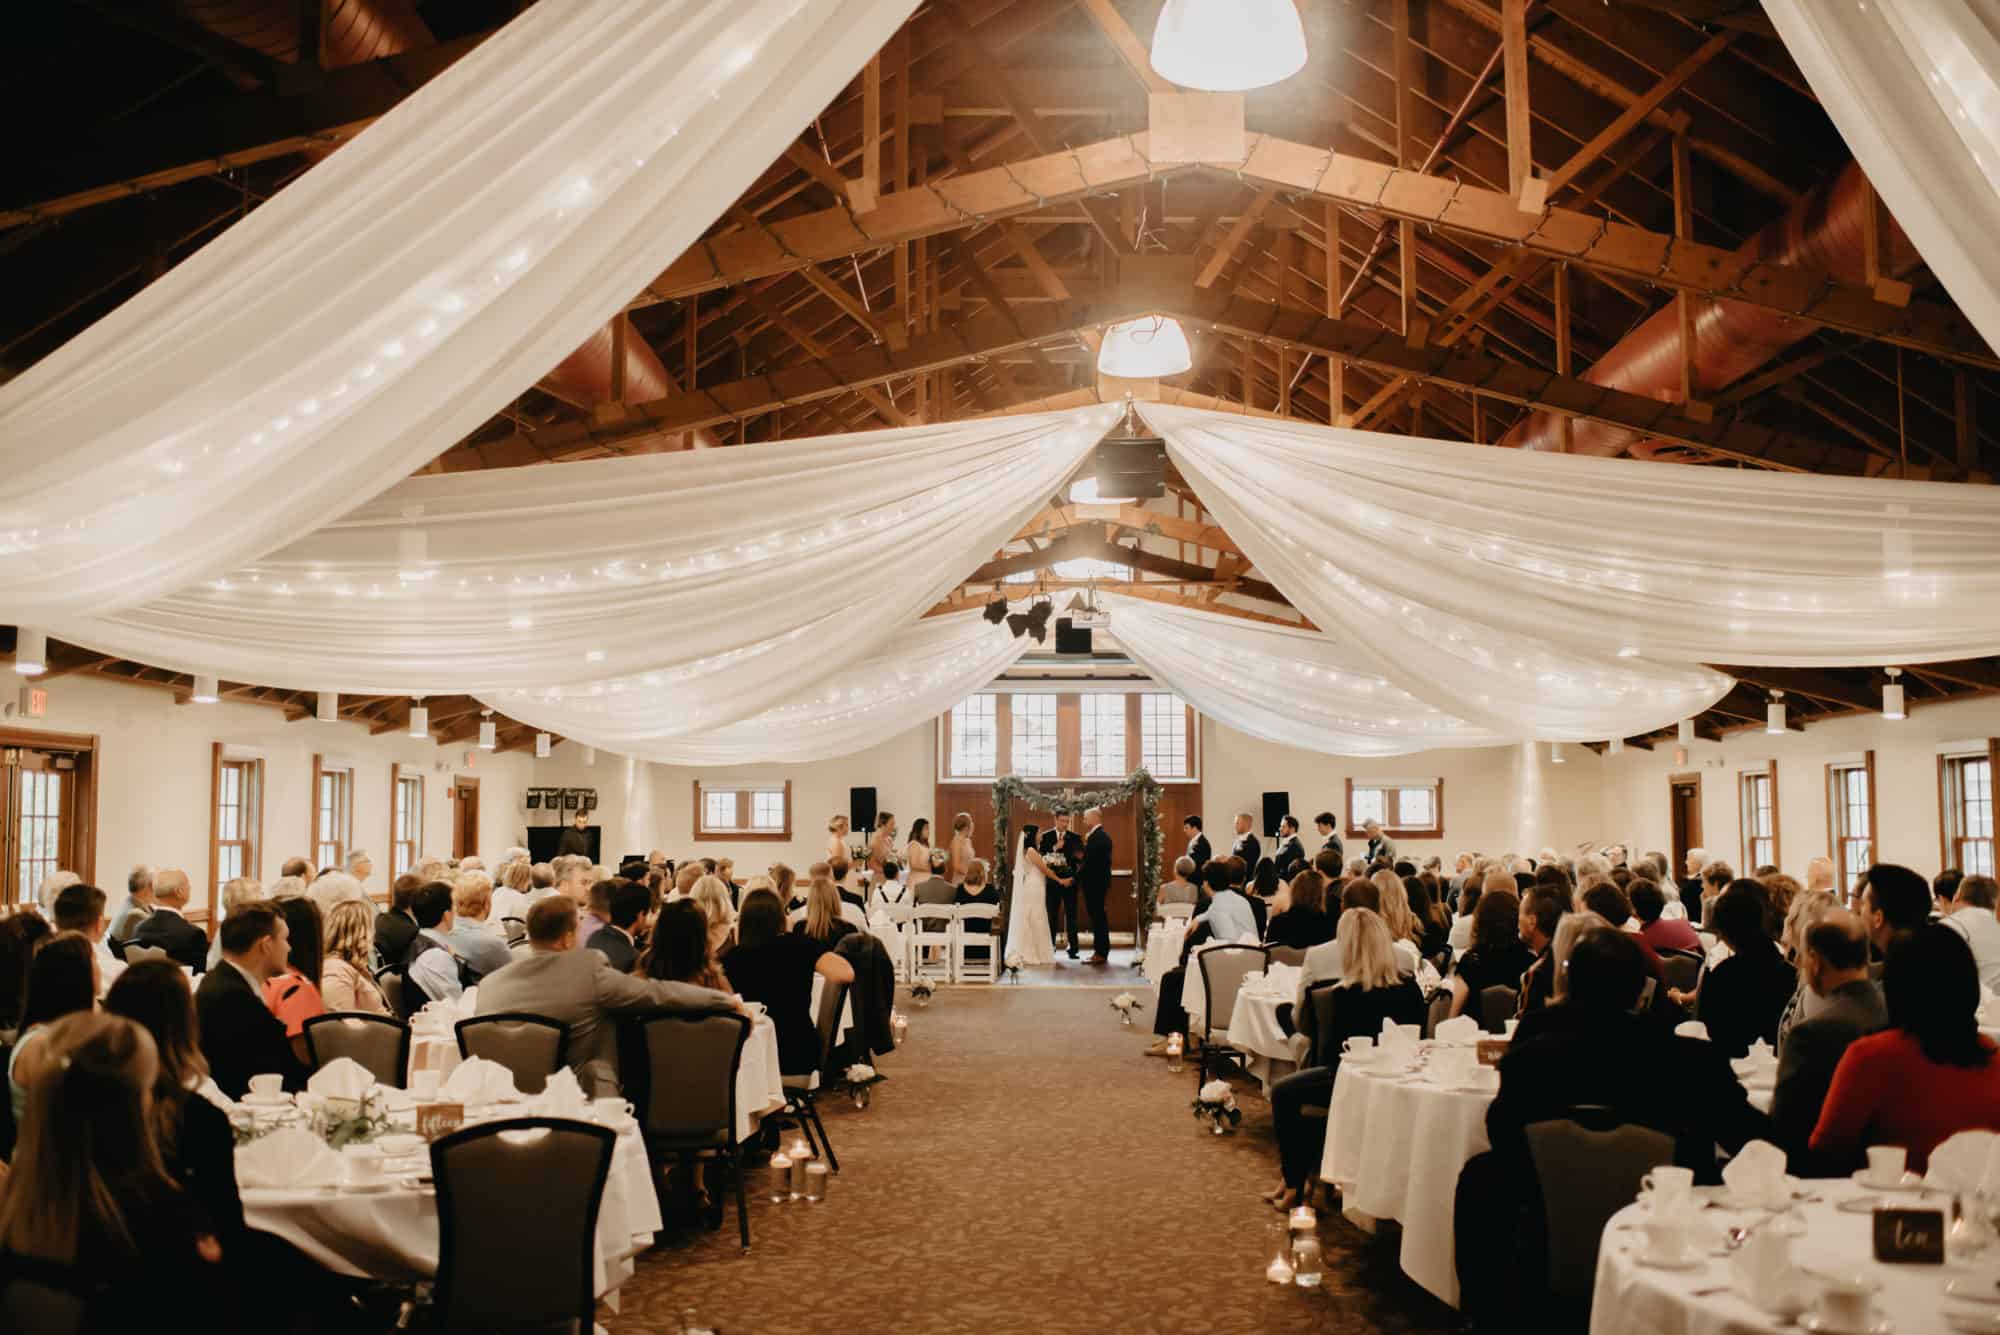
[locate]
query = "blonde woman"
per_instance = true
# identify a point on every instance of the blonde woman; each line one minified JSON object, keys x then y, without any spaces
{"x":824,"y":921}
{"x":711,"y":896}
{"x":1396,"y":913}
{"x":783,"y":879}
{"x":962,"y":856}
{"x":1572,"y":926}
{"x":345,"y":983}
{"x":836,"y":839}
{"x":1809,"y":908}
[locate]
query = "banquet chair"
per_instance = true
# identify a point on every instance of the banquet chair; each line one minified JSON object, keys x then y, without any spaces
{"x":1222,"y":972}
{"x":1291,"y":955}
{"x":134,"y":953}
{"x":381,"y":1043}
{"x":1589,"y":1166}
{"x":516,"y":930}
{"x":1175,"y":910}
{"x":933,"y":927}
{"x":1437,"y":1012}
{"x":43,"y":1296}
{"x":1682,"y":968}
{"x":800,"y":1089}
{"x":490,"y":1179}
{"x":1496,"y":1006}
{"x":533,"y":1047}
{"x":687,"y":1103}
{"x":963,"y":968}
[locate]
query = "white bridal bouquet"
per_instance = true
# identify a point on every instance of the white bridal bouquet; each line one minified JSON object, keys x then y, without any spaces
{"x":1057,"y":863}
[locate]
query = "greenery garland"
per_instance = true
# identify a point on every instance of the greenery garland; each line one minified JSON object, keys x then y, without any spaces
{"x":1139,"y":783}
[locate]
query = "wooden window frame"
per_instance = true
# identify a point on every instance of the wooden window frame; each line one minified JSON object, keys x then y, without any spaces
{"x":397,"y":775}
{"x":1057,"y":767}
{"x":82,"y":798}
{"x":700,"y":827}
{"x":1394,"y":827}
{"x":1069,"y":740}
{"x":253,"y":861}
{"x":1744,"y":838}
{"x":1948,"y":841}
{"x":1002,"y":724}
{"x":1836,"y":811}
{"x":1137,"y":733}
{"x":320,"y":769}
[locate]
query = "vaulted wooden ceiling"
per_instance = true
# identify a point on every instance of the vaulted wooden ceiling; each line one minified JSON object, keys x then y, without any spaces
{"x":950,"y":236}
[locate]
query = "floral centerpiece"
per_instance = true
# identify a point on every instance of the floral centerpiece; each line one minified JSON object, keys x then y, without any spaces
{"x":922,"y":990}
{"x":857,"y":853}
{"x":338,"y":1122}
{"x":1125,"y":1003}
{"x":860,"y":1078}
{"x":1216,"y":1105}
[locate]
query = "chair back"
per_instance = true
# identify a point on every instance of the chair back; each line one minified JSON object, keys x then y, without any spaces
{"x":489,"y":1179}
{"x":977,"y":912}
{"x":44,"y":1297}
{"x":1588,"y":1172}
{"x":1222,"y":972}
{"x":1681,"y":969}
{"x":379,"y":1042}
{"x":1176,"y":910}
{"x":1319,"y":998}
{"x":135,"y":953}
{"x":1497,"y":1005}
{"x":935,"y":920}
{"x":691,"y":1063}
{"x":832,"y":1003}
{"x":1437,"y":1012}
{"x":516,"y":930}
{"x":533,"y":1047}
{"x":1291,"y":955}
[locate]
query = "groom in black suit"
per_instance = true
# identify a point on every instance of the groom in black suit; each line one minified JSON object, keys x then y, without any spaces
{"x":1094,"y":879}
{"x":1062,"y":888}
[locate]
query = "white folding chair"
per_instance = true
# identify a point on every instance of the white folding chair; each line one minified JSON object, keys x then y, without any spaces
{"x":1176,"y":910}
{"x":899,"y":953}
{"x":933,"y":927}
{"x":968,"y":970}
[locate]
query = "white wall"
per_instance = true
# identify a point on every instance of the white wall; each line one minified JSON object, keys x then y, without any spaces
{"x":1635,"y":803}
{"x":153,"y":780}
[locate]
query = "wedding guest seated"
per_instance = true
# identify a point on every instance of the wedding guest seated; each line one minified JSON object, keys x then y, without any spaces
{"x":293,"y":993}
{"x":1433,"y":924}
{"x":579,"y":989}
{"x":596,"y":908}
{"x":336,"y":887}
{"x":1496,"y":956}
{"x":1741,"y":998}
{"x":1834,"y":967}
{"x":1715,"y":878}
{"x":1181,"y":889}
{"x":512,"y":897}
{"x":396,"y":926}
{"x":239,"y":1035}
{"x":21,"y":931}
{"x":1972,"y":917}
{"x":166,"y":929}
{"x":718,"y":907}
{"x":477,"y":940}
{"x":825,"y":920}
{"x":1782,"y":890}
{"x":617,"y":940}
{"x":138,"y":903}
{"x":61,"y":980}
{"x":1264,"y":887}
{"x":846,"y":883}
{"x":1228,"y":916}
{"x":890,"y":890}
{"x":1944,"y":893}
{"x":935,"y":889}
{"x":1808,"y":909}
{"x":1590,"y":1051}
{"x":236,"y":892}
{"x":87,"y":1193}
{"x":1929,"y":1074}
{"x":1234,"y":924}
{"x":776,"y":967}
{"x":784,"y":884}
{"x":344,"y":980}
{"x":1895,"y":901}
{"x":1477,"y":883}
{"x":1306,"y":923}
{"x":977,"y":890}
{"x":80,"y":908}
{"x":1542,"y":908}
{"x":1373,"y":988}
{"x":1649,"y":905}
{"x":681,"y":950}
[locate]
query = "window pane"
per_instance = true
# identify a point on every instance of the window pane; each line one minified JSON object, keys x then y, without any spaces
{"x":719,"y":810}
{"x":767,"y":810}
{"x":975,"y":740}
{"x":1163,"y":748}
{"x":1035,"y":736}
{"x":1369,"y":804}
{"x":1103,"y":736}
{"x":1416,"y":808}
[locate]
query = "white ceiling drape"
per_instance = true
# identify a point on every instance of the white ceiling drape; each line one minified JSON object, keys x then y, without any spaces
{"x":402,"y":291}
{"x":916,"y":675}
{"x":1291,"y":686}
{"x":1913,"y":86}
{"x":658,"y":593}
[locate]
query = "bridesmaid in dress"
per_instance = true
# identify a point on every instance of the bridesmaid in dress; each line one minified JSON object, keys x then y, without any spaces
{"x":961,"y":849}
{"x":836,"y":839}
{"x":882,"y":848}
{"x":917,"y":853}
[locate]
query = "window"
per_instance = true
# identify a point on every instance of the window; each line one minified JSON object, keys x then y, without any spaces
{"x":1757,"y":791}
{"x":742,"y":809}
{"x":333,"y":813}
{"x":1850,"y":817}
{"x":1402,"y":806}
{"x":975,"y":738}
{"x":1078,"y":567}
{"x":407,"y":834}
{"x":1035,"y":736}
{"x":238,"y":818}
{"x":1103,"y":736}
{"x":1163,"y":736}
{"x":1968,"y":813}
{"x":40,"y":842}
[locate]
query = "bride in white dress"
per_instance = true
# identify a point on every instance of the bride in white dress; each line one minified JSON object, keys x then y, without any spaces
{"x":1028,"y":941}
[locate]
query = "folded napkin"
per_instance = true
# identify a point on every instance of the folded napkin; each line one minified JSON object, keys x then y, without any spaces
{"x":341,"y":1078}
{"x":1959,"y":1163}
{"x":1458,"y":1029}
{"x":563,"y":1092}
{"x":1757,"y":1173}
{"x":1282,"y":980}
{"x":288,"y":1158}
{"x":478,"y":1080}
{"x":1762,"y":1054}
{"x":1691,"y":1029}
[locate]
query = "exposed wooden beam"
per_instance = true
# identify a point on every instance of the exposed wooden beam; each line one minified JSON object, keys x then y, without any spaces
{"x":1520,"y":120}
{"x":1638,"y":110}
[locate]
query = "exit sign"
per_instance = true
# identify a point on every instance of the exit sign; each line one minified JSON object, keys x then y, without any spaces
{"x":34,"y":702}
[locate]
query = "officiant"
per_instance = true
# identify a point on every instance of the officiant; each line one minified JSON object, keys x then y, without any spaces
{"x":1066,"y":843}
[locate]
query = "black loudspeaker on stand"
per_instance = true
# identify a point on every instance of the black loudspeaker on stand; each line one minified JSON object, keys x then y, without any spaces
{"x":861,"y":810}
{"x":1276,"y":807}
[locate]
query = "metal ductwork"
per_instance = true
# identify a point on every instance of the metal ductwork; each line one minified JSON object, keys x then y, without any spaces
{"x":585,"y":377}
{"x":1822,"y":231}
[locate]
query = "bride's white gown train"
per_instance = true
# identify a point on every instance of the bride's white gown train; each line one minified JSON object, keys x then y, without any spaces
{"x":1028,"y":943}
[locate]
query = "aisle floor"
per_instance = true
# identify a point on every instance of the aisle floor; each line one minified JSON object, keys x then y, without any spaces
{"x":1025,"y":1168}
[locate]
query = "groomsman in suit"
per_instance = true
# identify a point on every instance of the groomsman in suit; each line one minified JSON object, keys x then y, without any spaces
{"x":1062,"y":889}
{"x":1246,"y":845}
{"x":1290,"y":853}
{"x":1093,"y":876}
{"x":1329,"y":830}
{"x":1197,"y":848}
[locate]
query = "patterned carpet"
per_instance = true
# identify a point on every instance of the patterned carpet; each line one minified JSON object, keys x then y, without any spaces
{"x":1025,"y":1168}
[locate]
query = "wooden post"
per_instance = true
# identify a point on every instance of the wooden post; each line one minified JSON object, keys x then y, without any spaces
{"x":1684,"y":300}
{"x":863,"y":195}
{"x":1562,"y":346}
{"x":1514,"y":74}
{"x":692,"y":365}
{"x":1336,"y":284}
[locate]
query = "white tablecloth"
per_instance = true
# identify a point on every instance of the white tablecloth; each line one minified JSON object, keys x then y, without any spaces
{"x":760,"y":1086}
{"x":1163,"y":948}
{"x":393,"y":1235}
{"x":1254,"y":1030}
{"x":1631,"y":1297}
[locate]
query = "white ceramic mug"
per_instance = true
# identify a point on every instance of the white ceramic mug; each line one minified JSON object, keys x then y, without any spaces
{"x":1886,"y":1162}
{"x":1844,"y":1303}
{"x":1509,"y":1027}
{"x":1667,"y":1187}
{"x":425,"y":1084}
{"x":1360,"y":1046}
{"x":267,"y":1086}
{"x":611,"y":1108}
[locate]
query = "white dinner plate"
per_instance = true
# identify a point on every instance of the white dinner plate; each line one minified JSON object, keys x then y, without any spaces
{"x":368,"y":1188}
{"x":1971,"y":1319}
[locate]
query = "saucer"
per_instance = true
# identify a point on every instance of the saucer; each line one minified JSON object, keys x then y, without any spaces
{"x":266,"y":1100}
{"x":1908,"y":1182}
{"x":1688,"y":1262}
{"x":1967,"y":1289}
{"x":401,"y":1144}
{"x":1820,"y":1325}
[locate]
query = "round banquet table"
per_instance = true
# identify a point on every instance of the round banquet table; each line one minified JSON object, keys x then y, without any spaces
{"x":1254,"y":1031}
{"x":1630,"y":1297}
{"x":1163,"y":948}
{"x":392,"y":1235}
{"x":1395,"y":1143}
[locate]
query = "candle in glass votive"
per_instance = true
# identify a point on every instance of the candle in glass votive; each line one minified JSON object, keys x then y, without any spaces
{"x":816,"y":1181}
{"x":781,"y":1177}
{"x":1304,"y":1219}
{"x":797,"y":1150}
{"x":1279,"y":1271}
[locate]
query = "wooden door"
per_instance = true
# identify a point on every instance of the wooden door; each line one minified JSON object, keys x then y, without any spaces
{"x":47,"y":800}
{"x":464,"y":817}
{"x":1685,"y":796}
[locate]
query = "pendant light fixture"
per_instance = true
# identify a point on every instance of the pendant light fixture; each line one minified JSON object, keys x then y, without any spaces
{"x":1556,"y":756}
{"x":1892,"y":695}
{"x":541,"y":746}
{"x":489,"y":731}
{"x":1154,"y":345}
{"x":31,"y":651}
{"x":205,"y":691}
{"x":1616,"y":746}
{"x":1774,"y":714}
{"x":1228,"y":46}
{"x":328,"y":707}
{"x":420,"y":719}
{"x":1684,"y":732}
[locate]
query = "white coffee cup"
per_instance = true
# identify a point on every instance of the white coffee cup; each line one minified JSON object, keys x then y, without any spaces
{"x":611,"y":1109}
{"x":1886,"y":1162}
{"x":363,"y":1164}
{"x":1691,"y":1029}
{"x":1667,"y":1188}
{"x":425,"y":1084}
{"x":267,"y":1086}
{"x":1509,"y":1027}
{"x":1360,"y":1046}
{"x":1666,"y":1240}
{"x":1453,"y":1066}
{"x":1844,"y":1303}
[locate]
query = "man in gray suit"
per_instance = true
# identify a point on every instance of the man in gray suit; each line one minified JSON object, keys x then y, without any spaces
{"x":1835,"y":967}
{"x":581,"y":989}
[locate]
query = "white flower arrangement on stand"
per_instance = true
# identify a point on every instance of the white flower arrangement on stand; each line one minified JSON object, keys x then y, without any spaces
{"x":922,"y":990}
{"x":1215,"y":1104}
{"x":860,"y":1078}
{"x":1125,"y":1003}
